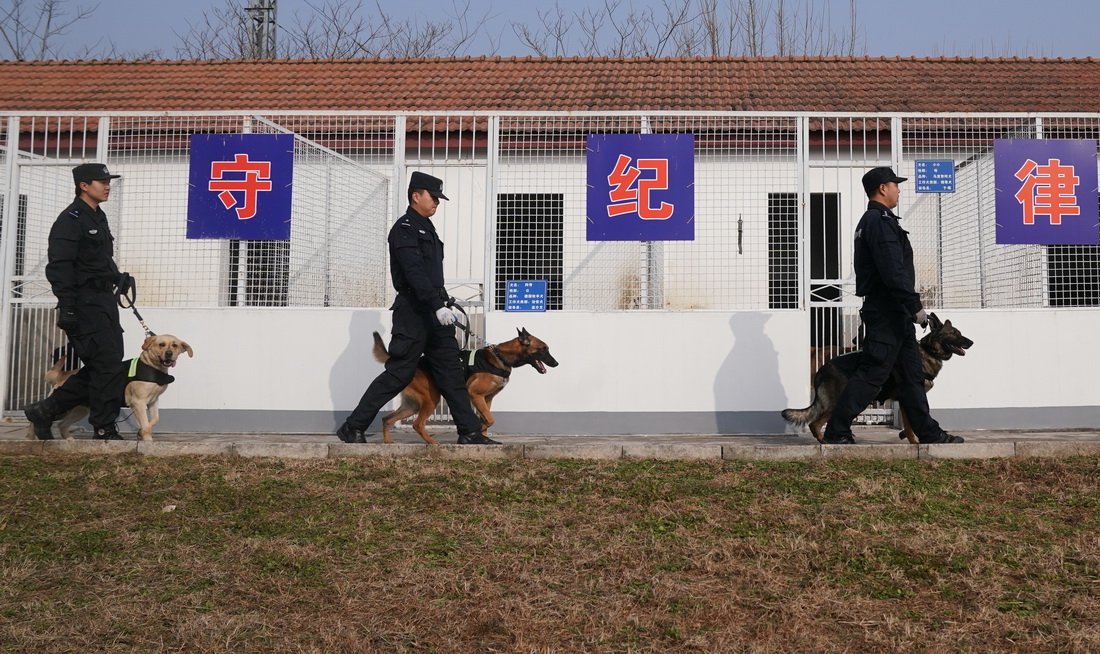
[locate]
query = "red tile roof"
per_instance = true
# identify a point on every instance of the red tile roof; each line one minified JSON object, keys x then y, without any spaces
{"x":527,"y":84}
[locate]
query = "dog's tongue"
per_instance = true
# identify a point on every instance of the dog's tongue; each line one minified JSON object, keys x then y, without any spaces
{"x":541,"y":368}
{"x":172,"y":365}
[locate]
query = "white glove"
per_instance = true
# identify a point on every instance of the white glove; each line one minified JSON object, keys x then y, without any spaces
{"x":445,"y":316}
{"x":921,"y":319}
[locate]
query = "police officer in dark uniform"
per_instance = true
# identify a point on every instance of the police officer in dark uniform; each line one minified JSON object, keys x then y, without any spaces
{"x":422,"y":323}
{"x":82,"y":272}
{"x":885,"y":280}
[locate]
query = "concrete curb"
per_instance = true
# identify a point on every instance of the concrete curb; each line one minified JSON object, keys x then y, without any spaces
{"x":544,"y":451}
{"x":934,"y":451}
{"x":771,"y":452}
{"x":672,"y":451}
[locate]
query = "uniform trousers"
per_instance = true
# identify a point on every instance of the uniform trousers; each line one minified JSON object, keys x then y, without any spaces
{"x":890,"y":350}
{"x":98,"y":342}
{"x":417,"y":333}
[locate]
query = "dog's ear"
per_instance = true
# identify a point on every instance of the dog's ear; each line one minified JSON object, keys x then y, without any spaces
{"x":149,"y":340}
{"x":187,"y":349}
{"x":934,"y":321}
{"x":524,"y":337}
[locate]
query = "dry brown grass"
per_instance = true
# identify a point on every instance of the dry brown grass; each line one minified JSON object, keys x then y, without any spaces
{"x":541,"y":557}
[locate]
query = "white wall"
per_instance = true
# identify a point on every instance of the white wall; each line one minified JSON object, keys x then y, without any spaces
{"x":1022,"y":358}
{"x":319,"y":360}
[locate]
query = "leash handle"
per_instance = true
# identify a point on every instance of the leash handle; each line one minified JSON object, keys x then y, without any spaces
{"x":126,"y":289}
{"x":452,"y":303}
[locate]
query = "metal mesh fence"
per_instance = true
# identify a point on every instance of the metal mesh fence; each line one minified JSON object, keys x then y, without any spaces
{"x":776,"y":197}
{"x":340,"y":209}
{"x":744,"y":254}
{"x":959,"y":263}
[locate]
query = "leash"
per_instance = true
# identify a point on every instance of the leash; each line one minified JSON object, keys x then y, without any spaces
{"x":452,"y":303}
{"x":127,"y":290}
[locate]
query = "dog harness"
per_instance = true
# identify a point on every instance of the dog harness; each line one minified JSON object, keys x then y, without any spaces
{"x":141,"y":371}
{"x":478,"y":361}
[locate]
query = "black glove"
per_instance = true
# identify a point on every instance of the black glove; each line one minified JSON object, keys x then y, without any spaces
{"x":67,"y":319}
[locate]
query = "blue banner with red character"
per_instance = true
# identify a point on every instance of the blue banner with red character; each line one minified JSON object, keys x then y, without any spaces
{"x":641,"y":187}
{"x":1046,"y":192}
{"x":240,"y":186}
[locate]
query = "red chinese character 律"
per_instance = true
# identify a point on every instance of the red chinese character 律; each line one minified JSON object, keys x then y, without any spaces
{"x":257,"y":177}
{"x":628,"y":198}
{"x":1047,"y":191}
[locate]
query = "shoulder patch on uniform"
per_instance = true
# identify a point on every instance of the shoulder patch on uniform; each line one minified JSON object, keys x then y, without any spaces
{"x":74,"y":213}
{"x":405,"y":224}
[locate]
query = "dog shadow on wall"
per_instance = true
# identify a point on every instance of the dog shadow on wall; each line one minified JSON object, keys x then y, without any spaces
{"x":355,"y":368}
{"x":748,"y":386}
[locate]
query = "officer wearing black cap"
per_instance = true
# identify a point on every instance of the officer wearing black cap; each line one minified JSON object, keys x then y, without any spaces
{"x":885,"y":279}
{"x":83,"y":275}
{"x":422,"y":323}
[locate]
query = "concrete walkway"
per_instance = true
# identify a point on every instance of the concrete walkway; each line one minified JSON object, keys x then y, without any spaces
{"x":872,"y":443}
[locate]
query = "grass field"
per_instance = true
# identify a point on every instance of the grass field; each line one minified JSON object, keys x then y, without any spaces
{"x":130,"y":554}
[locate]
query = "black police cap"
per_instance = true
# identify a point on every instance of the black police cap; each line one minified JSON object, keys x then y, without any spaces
{"x":878,"y":176}
{"x":90,"y":172}
{"x":425,"y":182}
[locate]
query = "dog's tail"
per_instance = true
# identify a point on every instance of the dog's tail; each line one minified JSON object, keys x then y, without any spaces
{"x":814,"y":411}
{"x":55,"y":375}
{"x":380,"y":351}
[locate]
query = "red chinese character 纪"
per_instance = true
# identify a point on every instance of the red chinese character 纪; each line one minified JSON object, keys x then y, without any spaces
{"x":257,"y":177}
{"x":1047,"y":191}
{"x":628,"y":198}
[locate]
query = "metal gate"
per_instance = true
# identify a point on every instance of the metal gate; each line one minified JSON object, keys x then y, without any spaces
{"x":839,"y":150}
{"x":41,"y":189}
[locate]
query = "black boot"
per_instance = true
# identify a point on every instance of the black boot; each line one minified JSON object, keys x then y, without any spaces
{"x":476,"y":438}
{"x":943,"y":437}
{"x":41,"y":415}
{"x":348,"y":434}
{"x":107,"y":433}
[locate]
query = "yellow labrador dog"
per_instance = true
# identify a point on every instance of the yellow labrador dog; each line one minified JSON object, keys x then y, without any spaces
{"x":143,"y":387}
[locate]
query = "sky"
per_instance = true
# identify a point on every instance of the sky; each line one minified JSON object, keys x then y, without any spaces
{"x":1047,"y":28}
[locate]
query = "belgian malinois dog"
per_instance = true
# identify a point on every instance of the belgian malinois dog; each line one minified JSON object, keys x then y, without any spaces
{"x":487,"y":373}
{"x":943,"y":341}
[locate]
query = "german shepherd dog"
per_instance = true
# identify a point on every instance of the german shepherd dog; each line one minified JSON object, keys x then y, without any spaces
{"x":943,"y":341}
{"x":421,"y":396}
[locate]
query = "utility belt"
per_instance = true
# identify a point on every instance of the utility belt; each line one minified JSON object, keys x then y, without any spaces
{"x":103,"y":285}
{"x":408,"y":291}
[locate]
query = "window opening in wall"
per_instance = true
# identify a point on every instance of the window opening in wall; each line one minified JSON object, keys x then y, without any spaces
{"x":20,"y":263}
{"x":1073,"y":275}
{"x":530,"y":240}
{"x":782,"y":250}
{"x":262,"y":268}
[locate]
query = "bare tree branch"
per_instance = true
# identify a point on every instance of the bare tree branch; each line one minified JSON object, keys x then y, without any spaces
{"x":31,"y":32}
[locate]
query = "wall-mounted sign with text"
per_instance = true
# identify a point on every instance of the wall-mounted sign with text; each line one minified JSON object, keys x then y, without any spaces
{"x":641,"y":187}
{"x":240,"y":186}
{"x":1046,"y":191}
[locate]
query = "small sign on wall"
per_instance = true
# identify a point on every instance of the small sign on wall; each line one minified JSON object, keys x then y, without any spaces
{"x":240,"y":186}
{"x":525,"y":295}
{"x":935,"y":176}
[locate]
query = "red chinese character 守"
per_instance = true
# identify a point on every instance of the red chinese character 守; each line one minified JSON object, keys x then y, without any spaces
{"x":257,"y":178}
